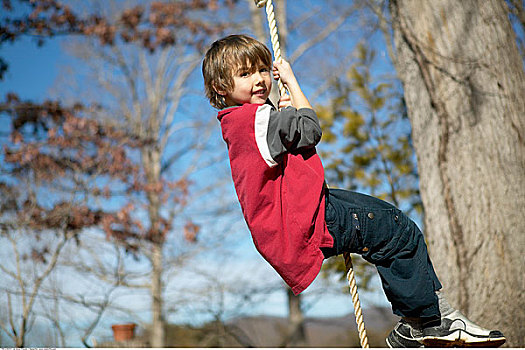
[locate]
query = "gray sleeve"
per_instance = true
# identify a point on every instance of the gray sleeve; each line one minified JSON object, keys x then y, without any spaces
{"x":292,"y":130}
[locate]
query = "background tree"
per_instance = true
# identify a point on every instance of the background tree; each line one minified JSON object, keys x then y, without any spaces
{"x":464,"y":85}
{"x":147,"y":111}
{"x":53,"y":157}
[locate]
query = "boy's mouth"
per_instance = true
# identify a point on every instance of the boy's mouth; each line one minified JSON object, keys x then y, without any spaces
{"x":260,"y":92}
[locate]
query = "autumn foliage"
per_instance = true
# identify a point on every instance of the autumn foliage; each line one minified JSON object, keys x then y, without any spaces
{"x":61,"y":151}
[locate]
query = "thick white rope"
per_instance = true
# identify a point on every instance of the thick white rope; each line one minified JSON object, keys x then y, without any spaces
{"x":350,"y":276}
{"x":270,"y":14}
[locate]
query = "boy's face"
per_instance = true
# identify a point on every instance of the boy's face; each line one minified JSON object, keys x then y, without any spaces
{"x":251,"y":84}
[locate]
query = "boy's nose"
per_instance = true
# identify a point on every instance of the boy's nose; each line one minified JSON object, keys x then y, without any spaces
{"x":257,"y":76}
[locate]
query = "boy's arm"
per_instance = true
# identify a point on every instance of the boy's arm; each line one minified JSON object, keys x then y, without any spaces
{"x":286,"y":131}
{"x":296,"y":127}
{"x":291,"y":130}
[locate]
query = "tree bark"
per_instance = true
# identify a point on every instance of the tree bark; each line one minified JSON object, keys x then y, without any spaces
{"x":464,"y":88}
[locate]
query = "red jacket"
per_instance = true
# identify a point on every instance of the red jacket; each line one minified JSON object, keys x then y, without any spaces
{"x":279,"y":179}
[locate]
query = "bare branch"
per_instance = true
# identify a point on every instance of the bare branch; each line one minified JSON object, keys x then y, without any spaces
{"x":329,"y":29}
{"x":45,"y":274}
{"x":175,"y":95}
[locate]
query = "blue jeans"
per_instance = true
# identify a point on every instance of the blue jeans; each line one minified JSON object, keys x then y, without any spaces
{"x":387,"y":238}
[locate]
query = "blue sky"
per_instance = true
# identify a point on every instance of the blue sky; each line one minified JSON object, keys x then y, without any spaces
{"x":32,"y":70}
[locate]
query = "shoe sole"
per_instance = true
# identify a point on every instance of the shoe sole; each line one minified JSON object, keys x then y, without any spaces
{"x":410,"y":343}
{"x":392,"y":346}
{"x":455,"y":339}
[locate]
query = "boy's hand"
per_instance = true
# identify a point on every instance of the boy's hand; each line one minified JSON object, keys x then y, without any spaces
{"x":283,"y":70}
{"x":285,"y":101}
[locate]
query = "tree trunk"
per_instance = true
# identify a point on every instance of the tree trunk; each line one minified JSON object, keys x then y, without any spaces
{"x":296,"y":334}
{"x":157,"y":325}
{"x":152,"y":164}
{"x":464,"y":88}
{"x":282,"y":24}
{"x":256,"y":16}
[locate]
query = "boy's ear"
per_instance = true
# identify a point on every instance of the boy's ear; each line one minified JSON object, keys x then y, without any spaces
{"x":219,"y":91}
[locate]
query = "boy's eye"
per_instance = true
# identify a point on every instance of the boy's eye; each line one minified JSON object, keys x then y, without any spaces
{"x":244,"y":74}
{"x":264,"y":70}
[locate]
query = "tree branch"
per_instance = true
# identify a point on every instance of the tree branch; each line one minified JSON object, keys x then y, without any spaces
{"x":329,"y":29}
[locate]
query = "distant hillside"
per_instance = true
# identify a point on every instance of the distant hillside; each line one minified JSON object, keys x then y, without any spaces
{"x":267,"y":331}
{"x":264,"y":331}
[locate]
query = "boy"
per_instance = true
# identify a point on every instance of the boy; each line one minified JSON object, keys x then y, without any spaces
{"x":296,"y":222}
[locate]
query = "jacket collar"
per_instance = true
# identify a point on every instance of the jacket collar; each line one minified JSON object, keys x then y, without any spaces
{"x":228,"y":110}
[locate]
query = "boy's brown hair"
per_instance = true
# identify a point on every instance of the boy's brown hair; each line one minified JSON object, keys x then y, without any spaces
{"x":226,"y":57}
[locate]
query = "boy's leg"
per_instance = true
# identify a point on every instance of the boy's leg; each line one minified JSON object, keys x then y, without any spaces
{"x":391,"y":241}
{"x":387,"y":238}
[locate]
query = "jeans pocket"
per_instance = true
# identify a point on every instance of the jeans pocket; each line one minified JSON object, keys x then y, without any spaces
{"x":380,"y":232}
{"x":397,"y":238}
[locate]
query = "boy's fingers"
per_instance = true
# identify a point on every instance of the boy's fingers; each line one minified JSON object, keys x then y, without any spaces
{"x":285,"y":101}
{"x":278,"y":64}
{"x":284,"y":104}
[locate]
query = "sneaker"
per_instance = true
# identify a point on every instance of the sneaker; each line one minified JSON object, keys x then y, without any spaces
{"x":456,"y":330}
{"x":404,"y":336}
